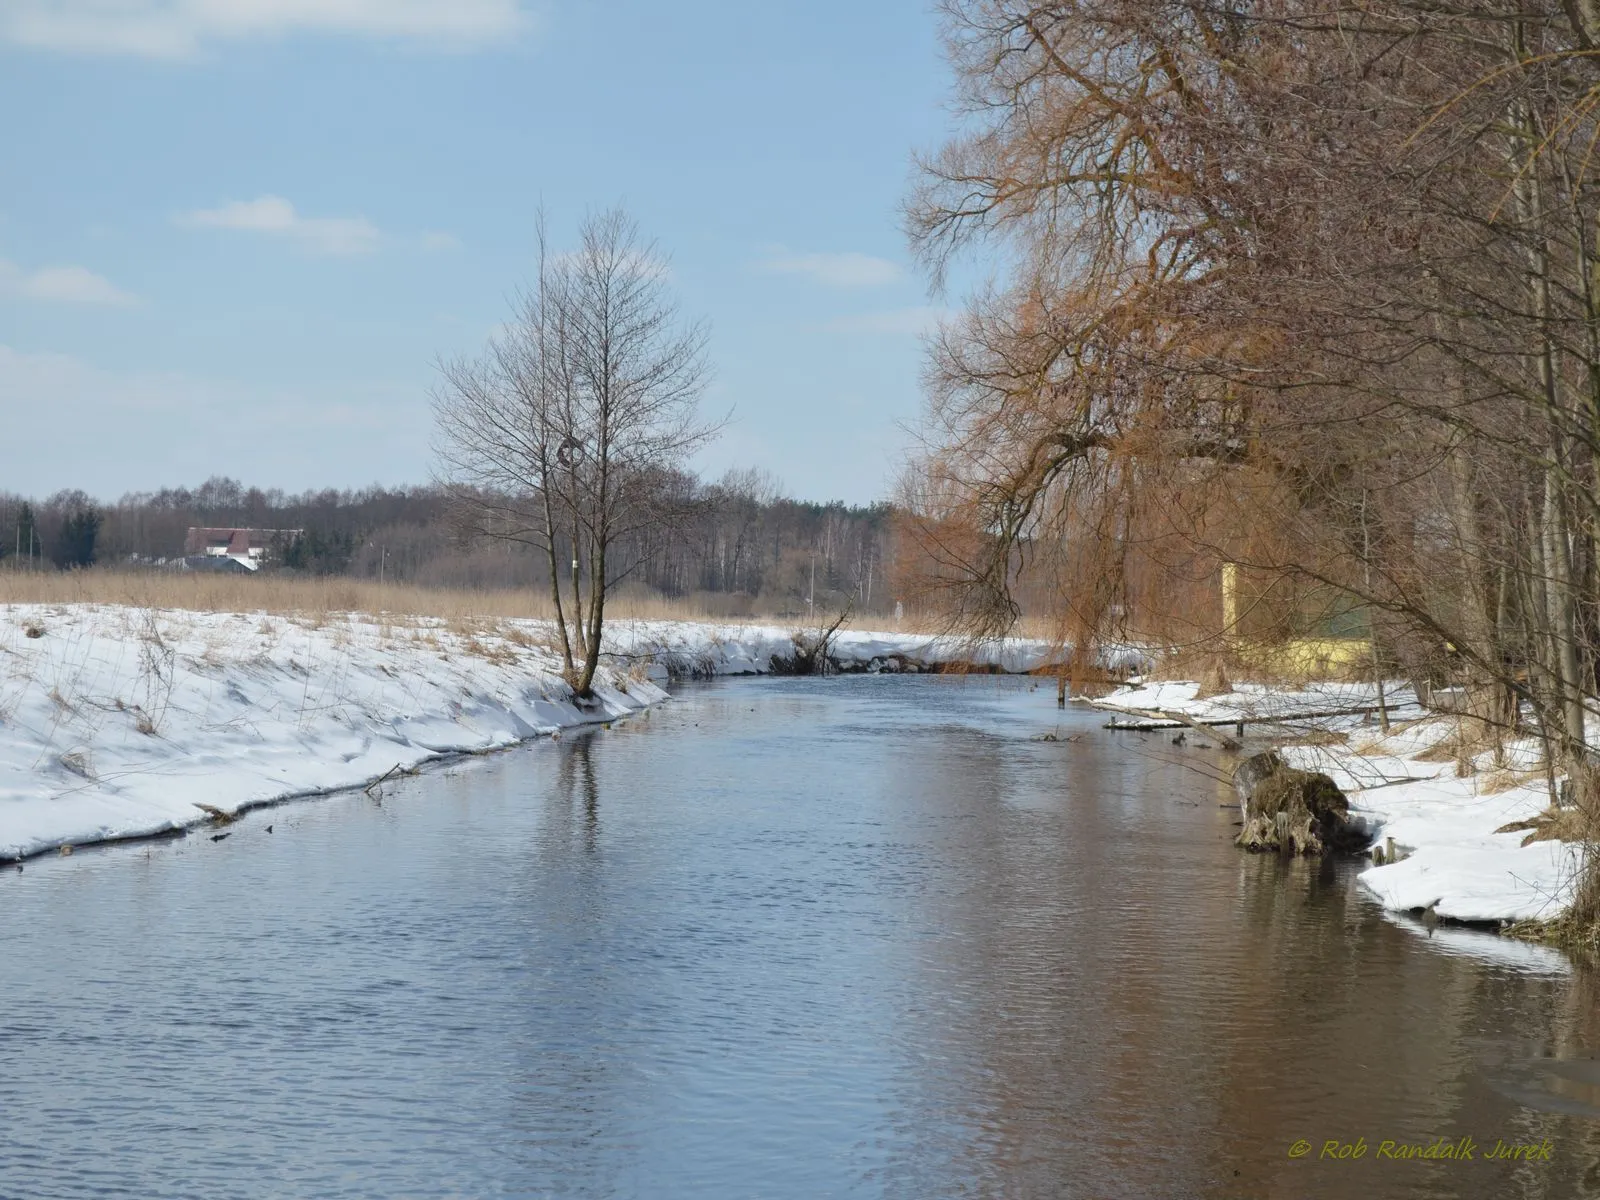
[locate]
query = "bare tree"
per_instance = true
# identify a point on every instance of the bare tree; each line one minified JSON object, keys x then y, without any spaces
{"x":568,"y":432}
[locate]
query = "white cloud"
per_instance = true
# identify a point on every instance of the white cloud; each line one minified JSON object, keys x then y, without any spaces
{"x":275,"y":216}
{"x":438,"y":241}
{"x":65,"y":285}
{"x":847,"y":270}
{"x":182,"y":28}
{"x":922,"y":319}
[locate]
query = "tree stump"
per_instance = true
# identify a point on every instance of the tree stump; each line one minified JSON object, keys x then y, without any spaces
{"x":1292,"y":811}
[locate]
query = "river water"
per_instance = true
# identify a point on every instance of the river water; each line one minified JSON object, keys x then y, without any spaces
{"x":789,"y":938}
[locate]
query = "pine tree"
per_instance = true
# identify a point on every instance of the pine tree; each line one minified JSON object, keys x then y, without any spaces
{"x":75,"y":546}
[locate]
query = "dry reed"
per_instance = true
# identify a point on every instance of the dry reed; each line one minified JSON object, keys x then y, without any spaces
{"x":318,"y":596}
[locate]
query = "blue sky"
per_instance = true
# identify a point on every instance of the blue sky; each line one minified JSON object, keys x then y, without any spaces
{"x":235,"y":235}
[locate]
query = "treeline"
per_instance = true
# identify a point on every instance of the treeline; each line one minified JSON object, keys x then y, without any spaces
{"x":1305,"y":287}
{"x":62,"y":532}
{"x":739,"y":547}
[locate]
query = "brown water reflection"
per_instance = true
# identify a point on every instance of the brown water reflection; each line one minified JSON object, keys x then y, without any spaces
{"x":1158,"y":1015}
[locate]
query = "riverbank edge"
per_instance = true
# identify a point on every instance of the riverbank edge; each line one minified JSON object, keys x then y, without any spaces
{"x":1445,"y":808}
{"x":121,"y":723}
{"x":441,"y":759}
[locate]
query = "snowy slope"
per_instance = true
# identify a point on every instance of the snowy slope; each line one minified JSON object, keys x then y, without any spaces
{"x":117,"y":722}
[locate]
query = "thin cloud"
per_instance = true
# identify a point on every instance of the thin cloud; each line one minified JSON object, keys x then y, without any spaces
{"x":179,"y":29}
{"x":898,"y":321}
{"x":62,"y":285}
{"x":847,"y":270}
{"x":162,"y":424}
{"x":276,"y":217}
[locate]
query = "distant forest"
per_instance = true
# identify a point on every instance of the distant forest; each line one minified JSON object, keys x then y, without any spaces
{"x":742,"y":548}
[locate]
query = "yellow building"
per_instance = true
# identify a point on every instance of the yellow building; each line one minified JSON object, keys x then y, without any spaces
{"x":1341,"y":645}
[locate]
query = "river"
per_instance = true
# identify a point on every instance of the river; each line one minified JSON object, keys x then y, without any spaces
{"x":871,"y":936}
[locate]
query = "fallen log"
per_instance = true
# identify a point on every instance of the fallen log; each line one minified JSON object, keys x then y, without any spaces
{"x":1160,"y":718}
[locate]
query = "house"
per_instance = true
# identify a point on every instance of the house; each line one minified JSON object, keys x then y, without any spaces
{"x":246,"y":548}
{"x":1334,"y":638}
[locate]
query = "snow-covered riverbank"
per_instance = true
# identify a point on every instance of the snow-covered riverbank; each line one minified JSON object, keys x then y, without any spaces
{"x":1406,"y":786}
{"x":118,"y":722}
{"x":690,"y":648}
{"x":1444,"y":825}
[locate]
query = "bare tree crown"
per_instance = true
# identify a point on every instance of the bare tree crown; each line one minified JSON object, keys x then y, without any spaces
{"x":567,"y":431}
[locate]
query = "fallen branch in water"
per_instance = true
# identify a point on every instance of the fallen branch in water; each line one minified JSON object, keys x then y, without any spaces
{"x":375,"y":788}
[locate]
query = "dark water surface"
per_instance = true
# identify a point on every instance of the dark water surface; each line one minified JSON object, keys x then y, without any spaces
{"x":860,"y":937}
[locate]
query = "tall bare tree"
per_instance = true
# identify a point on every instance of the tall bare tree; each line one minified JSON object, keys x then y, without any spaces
{"x":568,"y":432}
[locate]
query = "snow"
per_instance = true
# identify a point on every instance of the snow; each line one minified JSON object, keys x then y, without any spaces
{"x":1453,"y":862}
{"x":1257,"y":702}
{"x":1478,"y":879}
{"x":119,"y":721}
{"x":711,"y":649}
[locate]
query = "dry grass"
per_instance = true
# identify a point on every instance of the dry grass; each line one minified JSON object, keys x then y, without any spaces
{"x":1553,"y":825}
{"x":1319,"y":737}
{"x":1215,"y":671}
{"x":1578,"y":929}
{"x":311,"y":602}
{"x":1502,"y":779}
{"x":311,"y":598}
